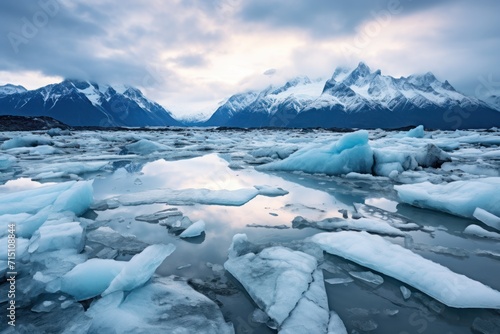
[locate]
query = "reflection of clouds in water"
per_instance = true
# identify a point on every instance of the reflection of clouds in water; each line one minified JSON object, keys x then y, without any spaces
{"x":382,"y":203}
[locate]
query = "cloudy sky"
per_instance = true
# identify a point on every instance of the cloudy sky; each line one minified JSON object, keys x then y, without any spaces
{"x":189,"y":55}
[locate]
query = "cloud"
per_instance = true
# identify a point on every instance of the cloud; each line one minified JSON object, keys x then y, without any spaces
{"x":191,"y":54}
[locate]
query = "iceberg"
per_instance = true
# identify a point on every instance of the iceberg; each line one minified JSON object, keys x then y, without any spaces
{"x":417,"y":132}
{"x":459,"y":198}
{"x":165,"y":305}
{"x":351,"y":153}
{"x":196,"y":229}
{"x":433,"y":279}
{"x":140,"y":268}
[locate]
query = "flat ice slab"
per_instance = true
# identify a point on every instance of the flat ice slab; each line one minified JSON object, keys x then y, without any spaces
{"x":437,"y":281}
{"x":460,"y":198}
{"x":166,"y":305}
{"x":286,"y":284}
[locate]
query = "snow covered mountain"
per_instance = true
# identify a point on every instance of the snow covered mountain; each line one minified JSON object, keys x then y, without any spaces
{"x":358,"y":98}
{"x":85,"y":103}
{"x":11,"y":89}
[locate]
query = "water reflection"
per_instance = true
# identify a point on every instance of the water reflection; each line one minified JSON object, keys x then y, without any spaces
{"x":311,"y":196}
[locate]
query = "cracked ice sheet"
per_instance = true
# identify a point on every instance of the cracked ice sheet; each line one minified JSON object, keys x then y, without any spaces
{"x":286,"y":284}
{"x":236,"y":197}
{"x":437,"y":281}
{"x":166,"y":305}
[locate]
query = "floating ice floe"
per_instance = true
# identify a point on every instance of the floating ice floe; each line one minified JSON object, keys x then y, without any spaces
{"x":140,"y":268}
{"x":195,"y":230}
{"x":145,"y":147}
{"x":478,"y":231}
{"x":34,"y":206}
{"x":487,"y":218}
{"x":165,"y":305}
{"x":437,"y":281}
{"x":460,"y":198}
{"x":417,"y":132}
{"x":388,"y":160}
{"x":351,"y":153}
{"x":26,"y":141}
{"x":236,"y":197}
{"x":91,"y":278}
{"x":285,"y":284}
{"x":104,"y":276}
{"x":6,"y":161}
{"x":54,"y":237}
{"x":362,"y":224}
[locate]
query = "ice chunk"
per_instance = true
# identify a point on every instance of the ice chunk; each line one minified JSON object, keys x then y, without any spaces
{"x":270,"y":191}
{"x":487,"y":218}
{"x":276,"y":278}
{"x":336,"y":325}
{"x":351,"y":153}
{"x":145,"y":147}
{"x":368,"y":277}
{"x":388,"y":160}
{"x":26,"y":141}
{"x":166,"y":305}
{"x":140,"y":268}
{"x":175,"y":224}
{"x":405,"y":292}
{"x":109,"y":238}
{"x":160,"y":215}
{"x":6,"y":162}
{"x":41,"y":202}
{"x":259,"y":316}
{"x":21,"y":246}
{"x":459,"y":198}
{"x":311,"y":315}
{"x":90,"y":278}
{"x":478,"y":231}
{"x":417,"y":132}
{"x":60,"y":236}
{"x":439,"y":282}
{"x":194,"y":230}
{"x":361,"y":224}
{"x":339,"y":280}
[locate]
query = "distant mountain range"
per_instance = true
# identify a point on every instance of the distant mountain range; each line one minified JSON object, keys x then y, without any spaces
{"x":358,"y":98}
{"x":81,"y":103}
{"x":351,"y":98}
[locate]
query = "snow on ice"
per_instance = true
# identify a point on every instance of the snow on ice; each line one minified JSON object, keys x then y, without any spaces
{"x":437,"y":281}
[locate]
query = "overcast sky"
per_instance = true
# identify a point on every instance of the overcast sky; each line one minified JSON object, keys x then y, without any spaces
{"x":189,"y":55}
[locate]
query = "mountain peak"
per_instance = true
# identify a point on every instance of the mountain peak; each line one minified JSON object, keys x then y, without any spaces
{"x":362,"y":69}
{"x":9,"y":89}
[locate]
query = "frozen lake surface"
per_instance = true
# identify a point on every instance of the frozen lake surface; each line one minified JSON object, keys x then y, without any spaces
{"x":238,"y":215}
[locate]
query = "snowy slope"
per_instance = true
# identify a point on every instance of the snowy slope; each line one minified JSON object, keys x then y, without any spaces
{"x":359,"y":98}
{"x":76,"y":102}
{"x":11,"y":89}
